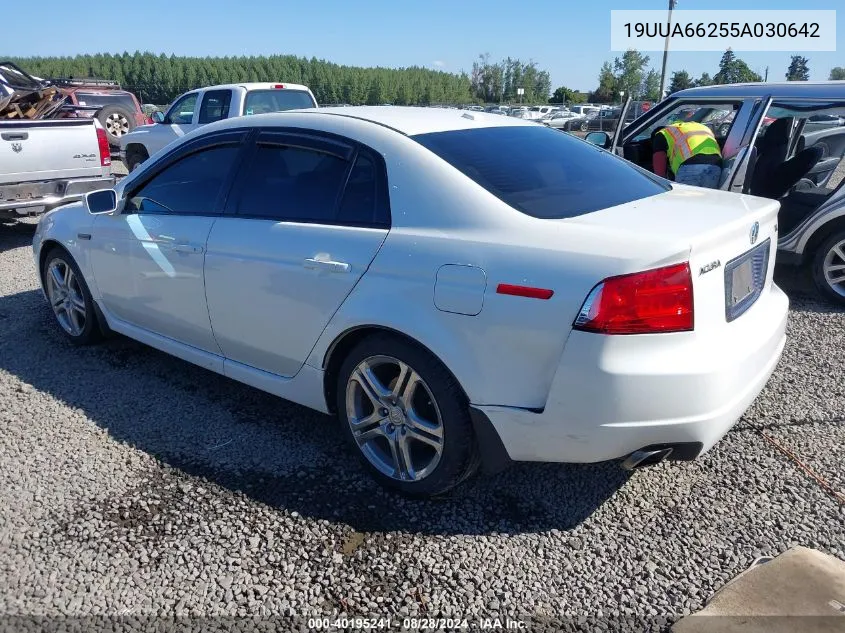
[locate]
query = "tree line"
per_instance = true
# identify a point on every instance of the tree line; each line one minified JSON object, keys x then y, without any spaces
{"x":161,"y":78}
{"x":630,"y":74}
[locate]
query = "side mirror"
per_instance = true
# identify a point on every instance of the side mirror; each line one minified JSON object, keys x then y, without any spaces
{"x":101,"y":201}
{"x":157,"y":116}
{"x":602,"y":139}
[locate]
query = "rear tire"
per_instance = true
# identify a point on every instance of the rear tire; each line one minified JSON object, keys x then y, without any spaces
{"x":69,"y":298}
{"x":828,"y":268}
{"x":405,"y":416}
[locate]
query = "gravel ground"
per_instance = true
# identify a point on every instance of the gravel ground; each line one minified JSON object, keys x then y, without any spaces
{"x":135,"y":483}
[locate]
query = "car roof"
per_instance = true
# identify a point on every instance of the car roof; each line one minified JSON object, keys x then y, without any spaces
{"x":786,"y":89}
{"x":264,"y":85}
{"x":409,"y":120}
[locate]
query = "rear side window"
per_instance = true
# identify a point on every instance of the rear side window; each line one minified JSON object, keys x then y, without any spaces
{"x":364,"y":201}
{"x":542,"y":172}
{"x":292,"y":184}
{"x":215,"y":105}
{"x":189,"y":186}
{"x":264,"y":101}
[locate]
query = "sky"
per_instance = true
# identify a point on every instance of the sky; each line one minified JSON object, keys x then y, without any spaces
{"x":570,"y":39}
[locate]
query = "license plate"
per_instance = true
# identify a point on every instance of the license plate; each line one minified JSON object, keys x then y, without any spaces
{"x":745,"y":277}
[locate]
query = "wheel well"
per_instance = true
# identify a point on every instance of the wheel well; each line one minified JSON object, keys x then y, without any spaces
{"x":136,"y":148}
{"x":821,"y":234}
{"x":46,"y":247}
{"x":342,"y":346}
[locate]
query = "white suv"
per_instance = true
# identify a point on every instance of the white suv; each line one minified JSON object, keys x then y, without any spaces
{"x":207,"y":105}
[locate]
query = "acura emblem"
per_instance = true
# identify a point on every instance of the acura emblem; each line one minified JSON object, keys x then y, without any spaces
{"x":755,"y":231}
{"x":16,"y":147}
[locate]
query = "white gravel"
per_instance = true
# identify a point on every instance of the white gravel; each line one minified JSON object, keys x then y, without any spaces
{"x":135,"y":483}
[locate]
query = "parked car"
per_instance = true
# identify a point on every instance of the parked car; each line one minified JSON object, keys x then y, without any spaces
{"x":584,"y":110}
{"x":538,"y":112}
{"x":48,"y":163}
{"x":542,"y":316}
{"x":207,"y":105}
{"x":782,"y":141}
{"x":561,"y":120}
{"x":120,"y":111}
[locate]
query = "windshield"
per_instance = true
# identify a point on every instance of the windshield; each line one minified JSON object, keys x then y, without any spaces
{"x":540,"y":171}
{"x":263,"y":101}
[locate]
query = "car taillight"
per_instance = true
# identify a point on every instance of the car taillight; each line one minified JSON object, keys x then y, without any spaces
{"x":105,"y":150}
{"x":279,"y":86}
{"x":652,"y":301}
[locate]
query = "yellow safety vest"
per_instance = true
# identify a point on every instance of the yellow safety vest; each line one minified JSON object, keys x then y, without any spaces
{"x":686,"y":140}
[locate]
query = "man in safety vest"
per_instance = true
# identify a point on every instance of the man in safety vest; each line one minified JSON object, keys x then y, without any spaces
{"x":691,"y":152}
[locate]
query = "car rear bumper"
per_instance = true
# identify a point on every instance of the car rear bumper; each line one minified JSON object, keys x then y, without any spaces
{"x":613,"y":395}
{"x":38,"y":197}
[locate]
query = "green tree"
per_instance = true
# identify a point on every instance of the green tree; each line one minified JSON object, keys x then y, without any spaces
{"x":732,"y":70}
{"x":680,"y":80}
{"x":704,"y":80}
{"x":606,"y":92}
{"x":567,"y":95}
{"x":837,"y":72}
{"x":630,"y":72}
{"x":651,"y":86}
{"x":798,"y":69}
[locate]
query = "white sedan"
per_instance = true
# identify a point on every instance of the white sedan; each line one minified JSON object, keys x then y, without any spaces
{"x":461,"y":289}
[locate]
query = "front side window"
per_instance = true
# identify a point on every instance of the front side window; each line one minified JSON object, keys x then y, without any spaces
{"x":264,"y":101}
{"x":215,"y":106}
{"x":189,"y":186}
{"x":292,"y":184}
{"x":541,"y":172}
{"x":717,"y":116}
{"x":182,"y":112}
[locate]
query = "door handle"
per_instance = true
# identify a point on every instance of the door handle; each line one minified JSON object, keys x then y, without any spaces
{"x":186,"y":248}
{"x":316,"y":263}
{"x":14,"y":136}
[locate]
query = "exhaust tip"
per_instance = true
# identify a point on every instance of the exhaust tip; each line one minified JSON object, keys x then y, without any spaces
{"x":641,"y":458}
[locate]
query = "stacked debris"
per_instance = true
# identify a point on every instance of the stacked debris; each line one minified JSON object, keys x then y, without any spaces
{"x":23,"y":96}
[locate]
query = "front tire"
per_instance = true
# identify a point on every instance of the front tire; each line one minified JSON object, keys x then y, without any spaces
{"x":69,"y":298}
{"x":828,"y":268}
{"x":405,"y":416}
{"x":134,"y":158}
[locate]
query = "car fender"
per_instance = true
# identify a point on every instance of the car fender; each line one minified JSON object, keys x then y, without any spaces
{"x":799,"y":239}
{"x":64,"y":226}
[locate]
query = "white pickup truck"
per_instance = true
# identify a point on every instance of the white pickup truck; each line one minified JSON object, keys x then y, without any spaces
{"x":47,"y":163}
{"x":207,"y":105}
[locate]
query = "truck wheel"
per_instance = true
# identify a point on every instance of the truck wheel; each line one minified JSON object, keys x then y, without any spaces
{"x":117,"y":121}
{"x":134,"y":158}
{"x":828,"y":268}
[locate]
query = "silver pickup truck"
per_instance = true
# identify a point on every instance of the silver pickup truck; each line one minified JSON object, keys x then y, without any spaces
{"x":49,"y":154}
{"x":47,"y":163}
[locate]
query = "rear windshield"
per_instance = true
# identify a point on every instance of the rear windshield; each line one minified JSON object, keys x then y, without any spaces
{"x":104,"y":99}
{"x":263,"y":101}
{"x":542,"y":172}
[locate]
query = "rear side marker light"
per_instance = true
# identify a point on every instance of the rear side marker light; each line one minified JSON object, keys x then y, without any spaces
{"x":105,"y":150}
{"x":524,"y":291}
{"x":648,"y":302}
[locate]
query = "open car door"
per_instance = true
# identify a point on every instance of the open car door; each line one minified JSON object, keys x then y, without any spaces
{"x":620,"y":125}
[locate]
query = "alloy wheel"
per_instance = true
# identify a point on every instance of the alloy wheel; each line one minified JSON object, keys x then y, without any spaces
{"x":394,"y":418}
{"x":117,"y":124}
{"x":834,"y":268}
{"x":66,"y":298}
